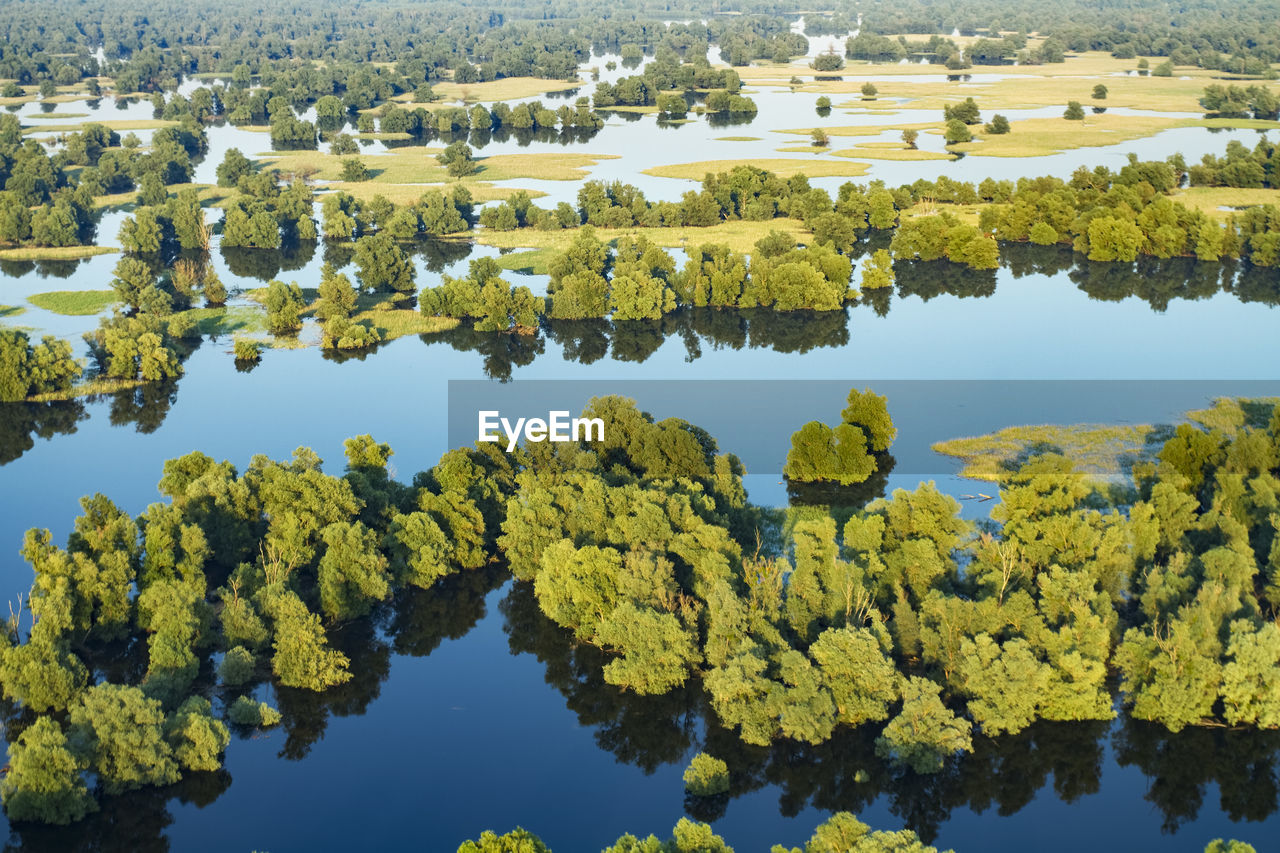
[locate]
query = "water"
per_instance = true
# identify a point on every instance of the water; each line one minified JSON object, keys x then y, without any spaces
{"x":470,"y":712}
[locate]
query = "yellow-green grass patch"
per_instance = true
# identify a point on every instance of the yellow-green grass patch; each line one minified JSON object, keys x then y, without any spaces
{"x":783,"y":168}
{"x":891,"y":151}
{"x":1211,"y":200}
{"x":110,"y":124}
{"x":865,"y":129}
{"x":53,"y":253}
{"x":505,"y":89}
{"x":97,"y":385}
{"x":738,"y":235}
{"x":74,"y":303}
{"x":531,"y":261}
{"x":1040,"y":136}
{"x":11,"y":310}
{"x":393,"y":323}
{"x":1102,"y":452}
{"x":738,"y":139}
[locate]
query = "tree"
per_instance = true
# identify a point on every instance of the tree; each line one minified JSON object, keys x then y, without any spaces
{"x":869,"y":91}
{"x":820,"y":138}
{"x":909,"y":137}
{"x":383,"y":265}
{"x":246,"y":712}
{"x":302,"y":657}
{"x":197,"y":737}
{"x":121,"y":730}
{"x":457,"y":160}
{"x":925,"y":733}
{"x":45,"y":782}
{"x":706,"y":776}
{"x":957,"y":132}
{"x":284,"y":305}
{"x":1074,"y":111}
{"x":877,"y":270}
{"x":353,"y":170}
{"x":823,"y":105}
{"x":516,"y":841}
{"x":844,"y":833}
{"x":237,"y":667}
{"x":998,"y":125}
{"x":1100,"y":92}
{"x":1164,"y":69}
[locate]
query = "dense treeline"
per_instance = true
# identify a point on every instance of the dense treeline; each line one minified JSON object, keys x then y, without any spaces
{"x":841,"y":833}
{"x":644,"y":545}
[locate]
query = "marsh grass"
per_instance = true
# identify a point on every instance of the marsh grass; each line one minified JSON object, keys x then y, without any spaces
{"x":54,"y":253}
{"x":783,"y":168}
{"x":74,"y":303}
{"x":1101,"y":452}
{"x":738,"y":235}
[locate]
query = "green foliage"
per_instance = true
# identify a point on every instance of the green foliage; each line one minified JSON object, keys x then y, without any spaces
{"x":238,"y":667}
{"x":706,"y":776}
{"x":1074,"y":111}
{"x":122,"y":732}
{"x":516,"y":841}
{"x":247,"y":712}
{"x":844,"y":454}
{"x":844,"y":833}
{"x":925,"y":733}
{"x":197,"y":738}
{"x":26,"y":370}
{"x":44,"y":782}
{"x":877,"y":270}
{"x":285,"y":304}
{"x":383,"y":265}
{"x":302,"y":656}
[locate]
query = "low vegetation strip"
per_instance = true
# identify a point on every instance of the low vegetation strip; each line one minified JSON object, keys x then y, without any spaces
{"x":1101,"y":452}
{"x":74,"y":303}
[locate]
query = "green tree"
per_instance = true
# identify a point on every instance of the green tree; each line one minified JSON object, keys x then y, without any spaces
{"x":121,"y":731}
{"x":877,"y":270}
{"x":302,"y":657}
{"x":458,"y":160}
{"x":45,"y":782}
{"x":198,"y":739}
{"x":1074,"y":111}
{"x":998,"y":125}
{"x":706,"y":776}
{"x":1100,"y":92}
{"x":957,"y":132}
{"x":925,"y":732}
{"x":284,"y":305}
{"x":383,"y":265}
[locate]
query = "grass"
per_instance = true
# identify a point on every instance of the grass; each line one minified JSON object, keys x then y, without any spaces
{"x":11,"y":310}
{"x":505,"y":89}
{"x":740,"y":236}
{"x":1101,"y":452}
{"x":111,"y":124}
{"x":394,"y":323}
{"x":410,"y":193}
{"x":1210,"y":200}
{"x":225,"y":320}
{"x":99,"y":385}
{"x":738,"y":138}
{"x":53,"y":253}
{"x":417,"y":165}
{"x":1037,"y":137}
{"x":530,"y":262}
{"x":865,"y":129}
{"x":891,"y":151}
{"x":74,"y":303}
{"x":783,"y":168}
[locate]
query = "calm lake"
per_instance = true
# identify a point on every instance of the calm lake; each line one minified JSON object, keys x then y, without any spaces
{"x":470,"y":711}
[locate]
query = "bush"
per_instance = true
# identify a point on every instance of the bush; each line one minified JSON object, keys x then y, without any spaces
{"x":237,"y":666}
{"x":246,"y":712}
{"x":247,"y":350}
{"x":706,"y":776}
